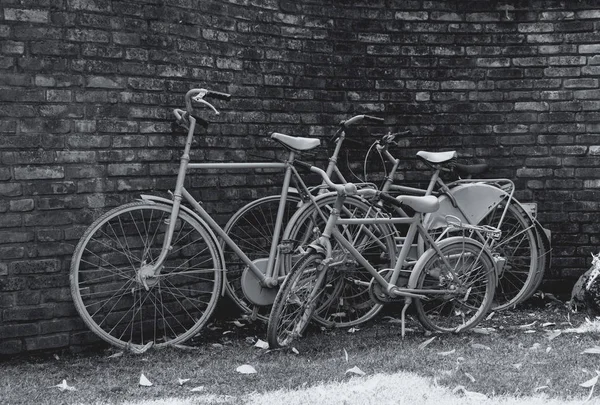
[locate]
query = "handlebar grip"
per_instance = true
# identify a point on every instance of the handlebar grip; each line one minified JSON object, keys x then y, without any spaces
{"x":389,"y":199}
{"x":373,"y":119}
{"x":218,"y":95}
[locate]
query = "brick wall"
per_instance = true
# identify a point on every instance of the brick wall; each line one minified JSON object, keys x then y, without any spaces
{"x":86,"y":89}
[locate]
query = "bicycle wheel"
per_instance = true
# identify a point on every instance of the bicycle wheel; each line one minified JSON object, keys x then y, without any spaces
{"x":347,"y":285}
{"x":128,"y":311}
{"x":544,"y":260}
{"x":468,"y":295}
{"x":518,"y":247}
{"x":296,"y":300}
{"x":252,"y":229}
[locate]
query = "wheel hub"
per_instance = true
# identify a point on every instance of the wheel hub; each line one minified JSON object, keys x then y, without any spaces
{"x":147,"y":277}
{"x":253,"y":289}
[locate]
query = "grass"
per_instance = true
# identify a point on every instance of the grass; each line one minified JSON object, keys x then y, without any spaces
{"x":512,"y":359}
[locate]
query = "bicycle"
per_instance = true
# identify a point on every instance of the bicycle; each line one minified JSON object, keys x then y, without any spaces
{"x":452,"y":283}
{"x":150,"y":272}
{"x":524,"y":245}
{"x":252,"y":227}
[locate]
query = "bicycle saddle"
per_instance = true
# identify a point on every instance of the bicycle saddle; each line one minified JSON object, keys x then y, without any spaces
{"x":423,"y":204}
{"x":437,"y":157}
{"x":296,"y":143}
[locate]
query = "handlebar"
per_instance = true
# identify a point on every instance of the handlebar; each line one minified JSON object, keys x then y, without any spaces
{"x":351,"y":121}
{"x":347,"y":189}
{"x":199,"y":96}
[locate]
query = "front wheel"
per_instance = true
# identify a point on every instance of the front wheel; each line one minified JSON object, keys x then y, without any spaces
{"x":461,"y":281}
{"x":296,"y":300}
{"x":122,"y":300}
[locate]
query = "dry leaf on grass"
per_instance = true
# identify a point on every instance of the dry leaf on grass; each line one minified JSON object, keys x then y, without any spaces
{"x":448,"y":353}
{"x":63,"y":386}
{"x":138,"y":349}
{"x":197,"y":389}
{"x":592,"y":350}
{"x":182,"y":381}
{"x":517,"y":365}
{"x":115,"y":355}
{"x":246,"y":369}
{"x":426,"y":343}
{"x":144,"y":382}
{"x":355,"y":370}
{"x":346,"y":355}
{"x":591,"y":383}
{"x":470,"y":377}
{"x":480,"y":346}
{"x":553,"y":334}
{"x":261,"y":344}
{"x":295,"y":350}
{"x":353,"y":330}
{"x":470,"y":394}
{"x":527,"y":325}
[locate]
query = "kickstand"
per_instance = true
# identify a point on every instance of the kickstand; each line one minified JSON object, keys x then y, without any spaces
{"x":407,"y":303}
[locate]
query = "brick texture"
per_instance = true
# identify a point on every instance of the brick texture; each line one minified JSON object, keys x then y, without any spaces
{"x":87,"y":88}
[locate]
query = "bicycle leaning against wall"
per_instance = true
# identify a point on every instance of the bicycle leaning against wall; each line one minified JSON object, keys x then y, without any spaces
{"x":151,"y":272}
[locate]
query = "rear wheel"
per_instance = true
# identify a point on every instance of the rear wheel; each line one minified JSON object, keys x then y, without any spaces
{"x":461,"y":301}
{"x":252,"y":229}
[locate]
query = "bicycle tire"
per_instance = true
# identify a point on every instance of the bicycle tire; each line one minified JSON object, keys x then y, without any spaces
{"x":252,"y":228}
{"x":347,"y":284}
{"x":475,"y":270}
{"x":518,"y":246}
{"x":111,"y":297}
{"x":296,"y":300}
{"x":544,"y":260}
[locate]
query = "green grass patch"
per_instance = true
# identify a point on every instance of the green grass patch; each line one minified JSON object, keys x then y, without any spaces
{"x":513,"y":359}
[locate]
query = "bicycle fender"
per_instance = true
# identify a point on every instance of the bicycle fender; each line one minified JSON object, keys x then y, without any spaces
{"x":414,"y":274}
{"x":474,"y":202}
{"x":165,"y":201}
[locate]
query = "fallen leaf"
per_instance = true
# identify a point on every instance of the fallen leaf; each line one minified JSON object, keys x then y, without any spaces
{"x":295,"y":350}
{"x":197,"y":389}
{"x":184,"y":347}
{"x":246,"y":369}
{"x":448,"y":353}
{"x":592,"y":350}
{"x":589,"y":383}
{"x":540,"y":388}
{"x":227,"y":332}
{"x":56,"y":356}
{"x":517,"y":365}
{"x":535,"y":346}
{"x":182,"y":381}
{"x":144,"y":382}
{"x":470,"y":394}
{"x":548,"y":349}
{"x":480,"y":346}
{"x":238,"y":324}
{"x":217,"y":345}
{"x":353,"y":330}
{"x":529,"y":331}
{"x":425,"y":343}
{"x":63,"y":386}
{"x":115,"y":355}
{"x":546,"y":324}
{"x":490,"y":316}
{"x":261,"y":344}
{"x":249,"y":340}
{"x":137,"y":349}
{"x":355,"y":370}
{"x":553,"y":334}
{"x":484,"y":331}
{"x":528,"y":325}
{"x":470,"y":377}
{"x":346,"y":355}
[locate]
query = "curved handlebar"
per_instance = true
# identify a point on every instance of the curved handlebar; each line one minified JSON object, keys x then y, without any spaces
{"x":351,"y":121}
{"x":200,"y":94}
